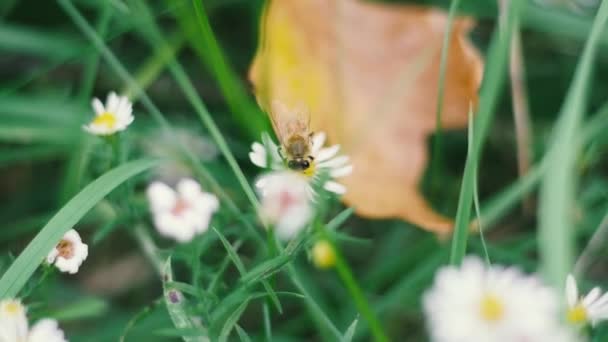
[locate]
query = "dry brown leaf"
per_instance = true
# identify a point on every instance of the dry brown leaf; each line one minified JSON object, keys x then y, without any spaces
{"x":369,"y":73}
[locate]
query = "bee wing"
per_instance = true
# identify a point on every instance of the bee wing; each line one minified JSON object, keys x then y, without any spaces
{"x":288,"y":122}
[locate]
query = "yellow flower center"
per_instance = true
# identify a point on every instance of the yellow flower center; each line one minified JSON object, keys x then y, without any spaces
{"x":491,"y":308}
{"x":13,"y":308}
{"x":65,"y":249}
{"x":105,"y":119}
{"x":311,"y":170}
{"x":577,"y":314}
{"x":323,"y":255}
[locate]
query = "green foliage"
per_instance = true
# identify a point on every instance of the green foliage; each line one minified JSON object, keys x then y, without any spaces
{"x":183,"y":63}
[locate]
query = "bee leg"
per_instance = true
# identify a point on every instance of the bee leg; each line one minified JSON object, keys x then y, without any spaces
{"x":311,"y":158}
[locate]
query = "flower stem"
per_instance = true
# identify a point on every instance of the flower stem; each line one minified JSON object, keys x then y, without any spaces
{"x":148,"y":247}
{"x":348,"y":278}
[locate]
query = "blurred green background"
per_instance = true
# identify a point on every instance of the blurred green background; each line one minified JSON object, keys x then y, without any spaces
{"x":49,"y":72}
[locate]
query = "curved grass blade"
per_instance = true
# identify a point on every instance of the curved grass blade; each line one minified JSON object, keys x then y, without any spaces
{"x":24,"y":266}
{"x":176,"y":305}
{"x":557,"y":192}
{"x":492,"y":85}
{"x":232,"y":321}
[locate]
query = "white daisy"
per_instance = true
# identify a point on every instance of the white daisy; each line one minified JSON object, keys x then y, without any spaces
{"x":183,"y":213}
{"x":114,"y":117}
{"x":266,"y":155}
{"x":69,"y":253}
{"x":478,"y":303}
{"x":285,"y":202}
{"x":591,"y":308}
{"x":14,"y":325}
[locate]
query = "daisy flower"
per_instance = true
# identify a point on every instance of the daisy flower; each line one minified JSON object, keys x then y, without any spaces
{"x":69,"y":253}
{"x":285,"y":203}
{"x":183,"y":213}
{"x":325,"y":159}
{"x":591,"y":308}
{"x":478,"y":303}
{"x":14,"y":326}
{"x":114,"y":117}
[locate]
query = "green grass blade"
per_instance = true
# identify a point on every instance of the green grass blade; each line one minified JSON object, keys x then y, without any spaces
{"x":242,"y":271}
{"x":498,"y":206}
{"x":443,"y":65}
{"x":243,"y":108}
{"x":557,"y":193}
{"x":232,"y":320}
{"x":176,"y":306}
{"x":24,"y":266}
{"x":350,"y":332}
{"x":181,"y":76}
{"x":493,"y":82}
{"x":122,"y":72}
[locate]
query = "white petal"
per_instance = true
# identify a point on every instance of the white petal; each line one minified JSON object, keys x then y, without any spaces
{"x":601,"y":304}
{"x":46,"y":330}
{"x":290,"y":224}
{"x":161,"y":197}
{"x":124,"y":121}
{"x":123,"y":108}
{"x":335,"y":187}
{"x":208,"y":202}
{"x":258,"y":158}
{"x":13,"y":322}
{"x":72,"y":236}
{"x":189,"y":189}
{"x":258,"y":148}
{"x":112,"y":102}
{"x":262,"y":181}
{"x":341,"y":172}
{"x":327,"y":153}
{"x":174,"y":227}
{"x":318,"y":139}
{"x":67,"y":265}
{"x":98,"y":106}
{"x":334,"y":162}
{"x":592,"y":296}
{"x":99,"y":129}
{"x":52,"y":255}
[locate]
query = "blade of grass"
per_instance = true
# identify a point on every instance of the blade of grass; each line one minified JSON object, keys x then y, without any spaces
{"x":176,"y":305}
{"x":356,"y":292}
{"x":500,"y":204}
{"x":79,"y":160}
{"x":35,"y":252}
{"x":443,"y":66}
{"x":350,"y":332}
{"x":122,"y":72}
{"x":232,"y":320}
{"x":158,"y":41}
{"x":244,"y":110}
{"x":492,"y":86}
{"x":242,"y":271}
{"x":557,"y":192}
{"x":316,"y":312}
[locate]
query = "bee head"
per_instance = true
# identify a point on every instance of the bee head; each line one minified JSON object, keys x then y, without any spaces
{"x":299,"y":164}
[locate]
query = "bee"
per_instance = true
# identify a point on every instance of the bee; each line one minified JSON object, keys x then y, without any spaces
{"x":292,"y":127}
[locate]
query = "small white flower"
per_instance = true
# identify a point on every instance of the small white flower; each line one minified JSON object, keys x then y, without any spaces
{"x":591,"y":308}
{"x":114,"y":117}
{"x":14,"y":325}
{"x":69,"y":253}
{"x":325,"y":159}
{"x":184,"y":213}
{"x":285,"y":203}
{"x":478,"y":303}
